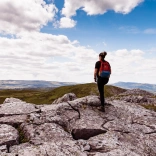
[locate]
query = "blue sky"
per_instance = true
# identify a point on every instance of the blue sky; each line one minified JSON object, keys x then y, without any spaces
{"x":116,"y":29}
{"x":59,"y":40}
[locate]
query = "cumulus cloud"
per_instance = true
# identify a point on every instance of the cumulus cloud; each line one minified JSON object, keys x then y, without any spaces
{"x":94,"y":7}
{"x":60,"y":59}
{"x":26,"y":15}
{"x":38,"y":55}
{"x":66,"y":22}
{"x":132,"y":66}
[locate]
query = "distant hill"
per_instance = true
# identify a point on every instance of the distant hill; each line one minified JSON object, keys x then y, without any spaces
{"x":132,"y":85}
{"x":47,"y":96}
{"x":17,"y":84}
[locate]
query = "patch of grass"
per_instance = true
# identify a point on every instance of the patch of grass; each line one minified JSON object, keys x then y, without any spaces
{"x":150,"y":107}
{"x":27,"y":95}
{"x":22,"y":137}
{"x":112,"y":90}
{"x":40,"y":96}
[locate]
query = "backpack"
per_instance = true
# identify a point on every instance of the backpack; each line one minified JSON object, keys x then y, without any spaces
{"x":105,"y":69}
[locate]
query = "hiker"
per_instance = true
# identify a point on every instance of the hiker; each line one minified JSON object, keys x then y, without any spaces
{"x":101,"y":76}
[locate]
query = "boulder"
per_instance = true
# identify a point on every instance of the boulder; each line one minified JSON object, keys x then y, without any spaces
{"x":65,"y":98}
{"x":46,"y":132}
{"x":12,"y":100}
{"x":14,"y":120}
{"x":17,"y":108}
{"x":8,"y":135}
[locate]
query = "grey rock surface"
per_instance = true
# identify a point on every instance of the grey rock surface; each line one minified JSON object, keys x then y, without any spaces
{"x":3,"y":149}
{"x":46,"y":132}
{"x":14,"y":120}
{"x":11,"y":100}
{"x":65,"y":98}
{"x":17,"y":108}
{"x":8,"y":135}
{"x":136,"y":96}
{"x":77,"y":127}
{"x":60,"y":147}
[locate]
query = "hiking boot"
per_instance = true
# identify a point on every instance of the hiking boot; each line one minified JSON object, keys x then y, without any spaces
{"x":107,"y":104}
{"x":102,"y":109}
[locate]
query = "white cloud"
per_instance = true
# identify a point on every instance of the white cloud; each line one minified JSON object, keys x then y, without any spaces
{"x":150,"y":31}
{"x":130,"y":29}
{"x":49,"y":57}
{"x":38,"y":55}
{"x":65,"y":22}
{"x":132,"y":66}
{"x":35,"y":55}
{"x":136,"y":52}
{"x":24,"y":15}
{"x":94,"y":7}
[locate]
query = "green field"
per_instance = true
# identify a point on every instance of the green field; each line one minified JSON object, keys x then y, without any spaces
{"x":47,"y":96}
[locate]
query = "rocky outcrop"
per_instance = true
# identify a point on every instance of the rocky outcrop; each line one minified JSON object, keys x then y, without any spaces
{"x":77,"y":127}
{"x":136,"y":96}
{"x":11,"y":100}
{"x":137,"y":92}
{"x":65,"y":98}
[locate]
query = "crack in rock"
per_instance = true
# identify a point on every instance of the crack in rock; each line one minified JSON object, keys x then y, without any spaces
{"x":85,"y":133}
{"x":77,"y":110}
{"x":151,"y":132}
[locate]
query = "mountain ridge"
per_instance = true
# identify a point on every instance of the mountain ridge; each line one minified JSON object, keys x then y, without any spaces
{"x":40,"y":96}
{"x":19,"y":84}
{"x":135,"y":85}
{"x":41,"y":84}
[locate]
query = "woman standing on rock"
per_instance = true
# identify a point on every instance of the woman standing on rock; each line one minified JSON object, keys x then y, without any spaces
{"x":101,"y":76}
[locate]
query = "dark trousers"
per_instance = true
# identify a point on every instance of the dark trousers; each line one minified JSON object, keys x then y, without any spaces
{"x":101,"y":83}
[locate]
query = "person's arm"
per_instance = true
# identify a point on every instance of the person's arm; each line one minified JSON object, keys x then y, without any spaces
{"x":95,"y":74}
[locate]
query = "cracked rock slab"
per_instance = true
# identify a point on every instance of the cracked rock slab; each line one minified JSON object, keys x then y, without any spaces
{"x":111,"y":142}
{"x":57,"y":148}
{"x":13,"y":120}
{"x":8,"y":135}
{"x":87,"y":126}
{"x":17,"y":108}
{"x":48,"y":132}
{"x":122,"y":126}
